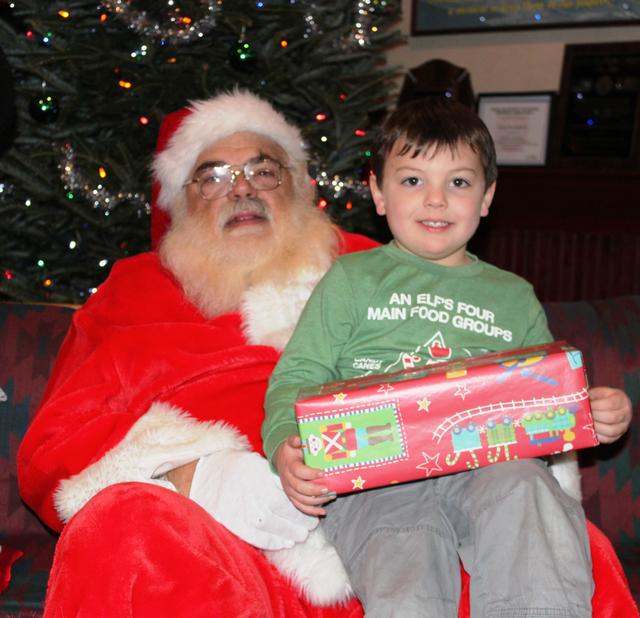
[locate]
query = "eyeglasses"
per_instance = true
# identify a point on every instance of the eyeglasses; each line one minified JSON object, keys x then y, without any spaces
{"x":262,"y":174}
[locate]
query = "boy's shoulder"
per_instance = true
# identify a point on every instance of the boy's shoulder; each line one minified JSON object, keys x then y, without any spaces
{"x":494,"y":273}
{"x":361,"y":270}
{"x":377,"y":260}
{"x":357,"y":259}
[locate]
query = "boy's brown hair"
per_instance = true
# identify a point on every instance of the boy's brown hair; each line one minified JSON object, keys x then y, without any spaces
{"x":435,"y":122}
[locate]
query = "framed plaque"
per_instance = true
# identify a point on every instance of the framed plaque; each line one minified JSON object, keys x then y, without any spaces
{"x":519,"y":125}
{"x":451,"y":16}
{"x":599,"y":107}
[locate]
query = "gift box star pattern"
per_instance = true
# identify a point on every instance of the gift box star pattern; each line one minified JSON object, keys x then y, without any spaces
{"x":445,"y":418}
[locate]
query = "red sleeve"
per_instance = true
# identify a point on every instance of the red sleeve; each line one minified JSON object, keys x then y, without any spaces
{"x":135,"y":342}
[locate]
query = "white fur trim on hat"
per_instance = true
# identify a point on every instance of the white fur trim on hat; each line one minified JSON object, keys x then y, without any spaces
{"x":210,"y":120}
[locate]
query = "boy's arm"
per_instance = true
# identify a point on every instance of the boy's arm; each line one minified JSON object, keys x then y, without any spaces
{"x":310,"y":357}
{"x":538,"y":329}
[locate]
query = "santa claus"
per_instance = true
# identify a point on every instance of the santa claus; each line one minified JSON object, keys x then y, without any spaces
{"x":146,"y":450}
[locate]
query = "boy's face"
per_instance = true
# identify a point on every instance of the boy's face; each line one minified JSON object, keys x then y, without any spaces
{"x":433,"y":202}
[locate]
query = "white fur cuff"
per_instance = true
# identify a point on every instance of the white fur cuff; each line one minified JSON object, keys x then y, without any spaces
{"x":315,"y":569}
{"x":161,"y":440}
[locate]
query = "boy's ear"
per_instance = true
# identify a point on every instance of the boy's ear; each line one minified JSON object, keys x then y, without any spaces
{"x":487,"y":198}
{"x":376,"y":194}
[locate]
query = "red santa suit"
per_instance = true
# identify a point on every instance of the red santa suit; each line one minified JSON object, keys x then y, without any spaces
{"x":144,"y":380}
{"x":145,"y":383}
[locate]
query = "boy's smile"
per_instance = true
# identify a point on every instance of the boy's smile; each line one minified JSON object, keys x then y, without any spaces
{"x":433,"y":202}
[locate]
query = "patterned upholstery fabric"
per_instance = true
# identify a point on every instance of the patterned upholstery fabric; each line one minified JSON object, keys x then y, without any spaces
{"x":607,"y":332}
{"x":30,"y":336}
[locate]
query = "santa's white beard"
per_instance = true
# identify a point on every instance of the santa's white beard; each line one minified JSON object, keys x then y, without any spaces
{"x":215,"y":272}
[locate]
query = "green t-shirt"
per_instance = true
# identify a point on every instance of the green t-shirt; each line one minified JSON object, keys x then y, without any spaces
{"x":384,"y":310}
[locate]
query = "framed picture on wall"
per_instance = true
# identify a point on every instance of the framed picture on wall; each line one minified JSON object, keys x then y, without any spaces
{"x":598,"y":123}
{"x":451,"y":16}
{"x":519,"y":124}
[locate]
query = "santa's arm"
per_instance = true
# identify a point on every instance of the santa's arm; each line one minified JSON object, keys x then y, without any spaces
{"x":138,"y":371}
{"x":122,"y":416}
{"x":165,"y":437}
{"x":182,"y":476}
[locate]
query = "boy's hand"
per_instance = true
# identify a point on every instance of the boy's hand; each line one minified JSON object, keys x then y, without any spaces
{"x":298,"y":478}
{"x":611,"y":409}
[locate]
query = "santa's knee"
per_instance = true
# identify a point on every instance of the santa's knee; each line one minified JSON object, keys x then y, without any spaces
{"x":138,"y":549}
{"x":116,"y":513}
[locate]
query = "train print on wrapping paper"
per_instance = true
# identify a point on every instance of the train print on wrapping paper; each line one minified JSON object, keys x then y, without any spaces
{"x":550,"y":427}
{"x":540,"y":427}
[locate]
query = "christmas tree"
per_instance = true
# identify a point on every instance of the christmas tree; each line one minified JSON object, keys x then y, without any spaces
{"x":93,"y":80}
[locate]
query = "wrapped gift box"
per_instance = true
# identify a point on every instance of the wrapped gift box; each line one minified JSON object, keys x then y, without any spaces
{"x":444,"y":418}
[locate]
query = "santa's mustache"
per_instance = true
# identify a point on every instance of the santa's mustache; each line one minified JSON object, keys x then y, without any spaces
{"x":248,"y":206}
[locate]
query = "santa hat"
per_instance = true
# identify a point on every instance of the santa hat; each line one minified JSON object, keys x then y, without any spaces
{"x":210,"y":120}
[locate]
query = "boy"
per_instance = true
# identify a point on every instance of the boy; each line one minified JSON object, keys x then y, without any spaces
{"x":521,"y":538}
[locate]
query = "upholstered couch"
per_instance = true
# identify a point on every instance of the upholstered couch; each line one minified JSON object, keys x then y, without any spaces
{"x":607,"y":331}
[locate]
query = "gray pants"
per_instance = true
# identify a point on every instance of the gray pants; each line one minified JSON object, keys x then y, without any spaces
{"x":522,"y":540}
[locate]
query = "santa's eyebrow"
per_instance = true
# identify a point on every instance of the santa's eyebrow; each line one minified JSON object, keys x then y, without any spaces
{"x":205,"y":165}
